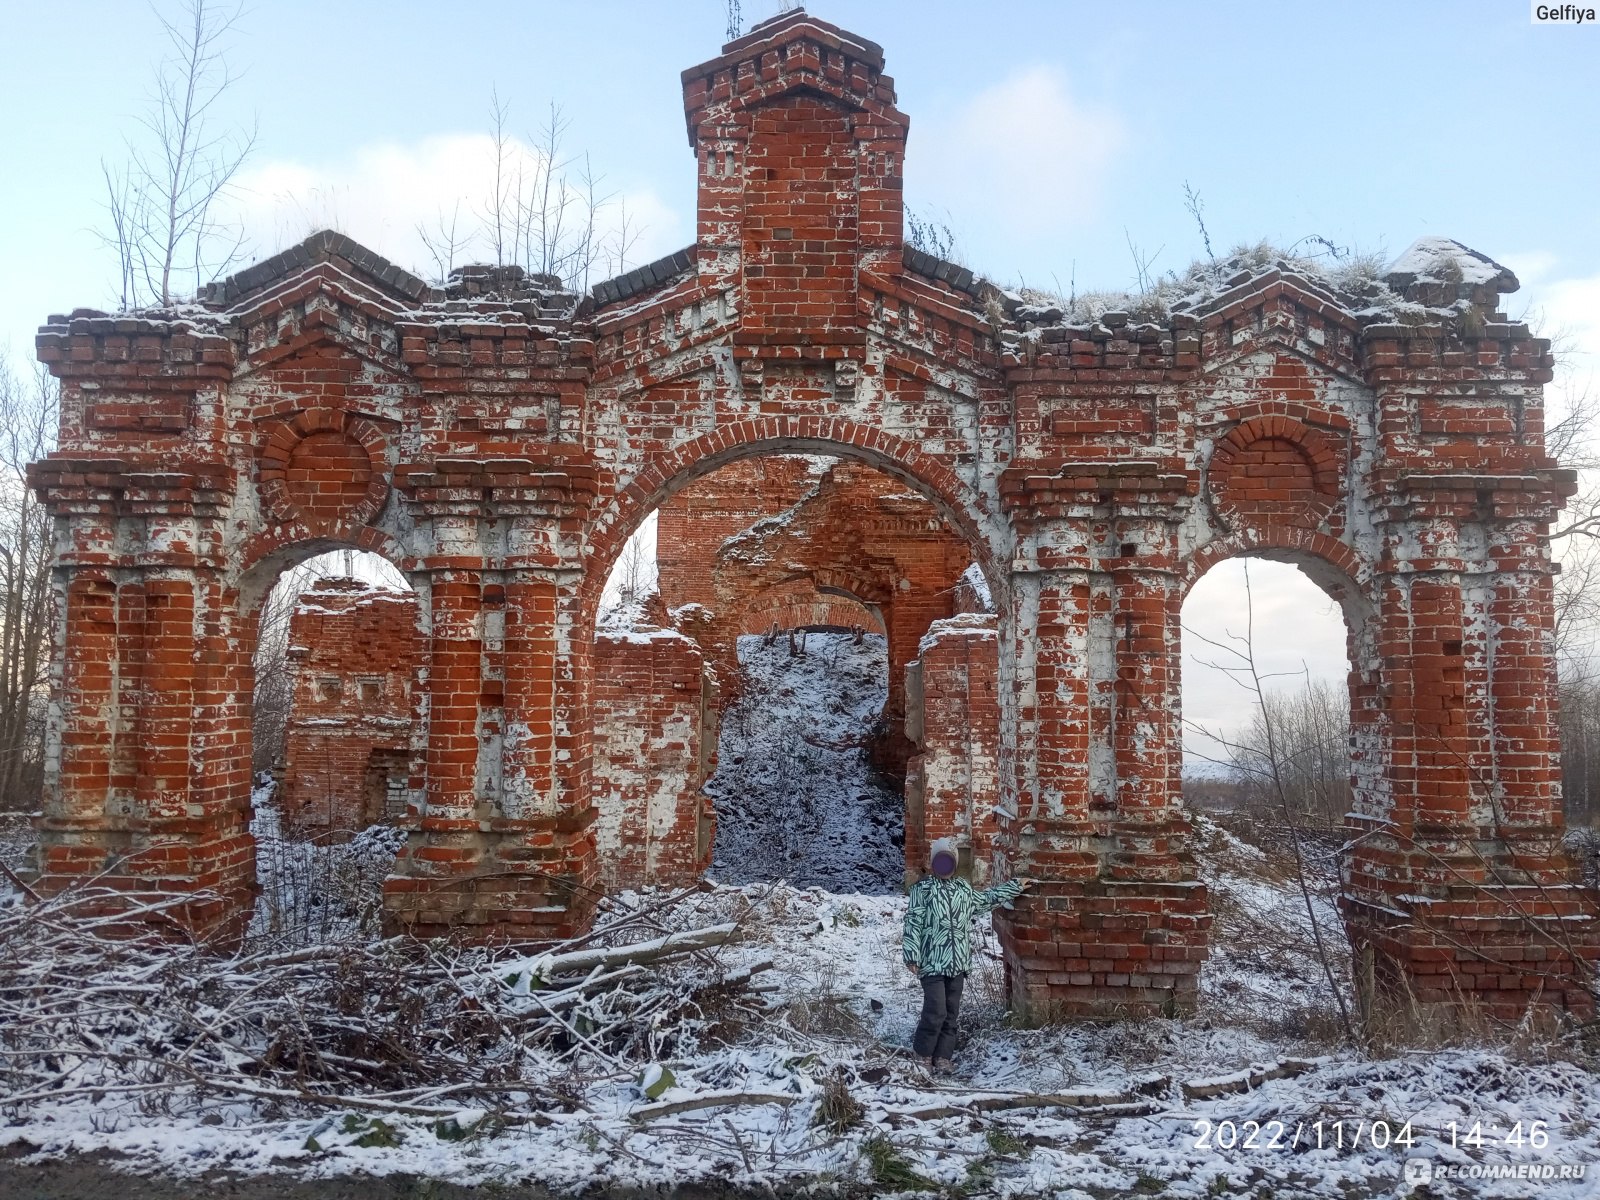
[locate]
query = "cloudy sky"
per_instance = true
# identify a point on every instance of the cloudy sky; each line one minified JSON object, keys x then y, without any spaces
{"x":1047,"y":136}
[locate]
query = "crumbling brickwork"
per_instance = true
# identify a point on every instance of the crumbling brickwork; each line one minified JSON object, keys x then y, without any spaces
{"x":853,"y":544}
{"x":500,"y":439}
{"x":693,"y":524}
{"x":353,"y":656}
{"x":655,"y":739}
{"x":953,"y":720}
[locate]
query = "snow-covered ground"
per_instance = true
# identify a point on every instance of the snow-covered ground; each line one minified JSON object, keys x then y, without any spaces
{"x":810,"y":1082}
{"x":795,"y":794}
{"x":841,"y":1014}
{"x":843,"y":1011}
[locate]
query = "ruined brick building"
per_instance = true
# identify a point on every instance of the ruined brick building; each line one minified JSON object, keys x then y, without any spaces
{"x":353,"y":657}
{"x":499,"y":442}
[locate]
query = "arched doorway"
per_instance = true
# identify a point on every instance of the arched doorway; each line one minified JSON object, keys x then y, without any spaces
{"x":808,"y":584}
{"x":1267,"y":774}
{"x":334,"y":720}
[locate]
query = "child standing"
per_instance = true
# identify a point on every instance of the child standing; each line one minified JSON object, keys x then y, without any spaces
{"x":937,"y":946}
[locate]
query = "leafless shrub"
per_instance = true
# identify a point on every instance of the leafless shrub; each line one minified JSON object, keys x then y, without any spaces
{"x":822,"y":1010}
{"x":839,"y":1110}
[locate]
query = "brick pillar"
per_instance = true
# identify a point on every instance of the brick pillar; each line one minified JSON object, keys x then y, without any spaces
{"x":1523,"y":687}
{"x":145,"y":787}
{"x":1157,"y":927}
{"x":1118,"y":923}
{"x":546,"y":825}
{"x":501,"y":845}
{"x":73,"y":835}
{"x":1043,"y":827}
{"x":1456,"y":885}
{"x":428,"y":890}
{"x":655,"y":743}
{"x":953,"y":719}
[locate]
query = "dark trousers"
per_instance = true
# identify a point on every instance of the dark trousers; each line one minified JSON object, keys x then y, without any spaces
{"x":941,"y":1005}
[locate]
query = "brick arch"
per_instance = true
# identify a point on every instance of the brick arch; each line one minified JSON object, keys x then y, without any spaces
{"x":666,"y":474}
{"x":783,"y":596}
{"x":1326,"y":561}
{"x":861,"y":588}
{"x":275,"y":461}
{"x":282,"y":547}
{"x":1263,"y":443}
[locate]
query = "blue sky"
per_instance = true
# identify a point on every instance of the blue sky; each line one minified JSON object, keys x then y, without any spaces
{"x":1046,"y":135}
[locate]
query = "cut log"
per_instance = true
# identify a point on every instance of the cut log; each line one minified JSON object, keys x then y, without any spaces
{"x":1247,"y":1080}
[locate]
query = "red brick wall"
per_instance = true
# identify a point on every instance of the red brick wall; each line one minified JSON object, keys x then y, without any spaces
{"x":353,"y":657}
{"x":848,"y":529}
{"x":953,"y":718}
{"x":801,"y":217}
{"x":655,"y":744}
{"x":692,"y":525}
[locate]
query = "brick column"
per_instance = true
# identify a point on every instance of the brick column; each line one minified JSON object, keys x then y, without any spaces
{"x":1458,"y":887}
{"x":953,"y":720}
{"x":148,"y":783}
{"x":1147,"y":738}
{"x":1118,"y":922}
{"x":1043,"y":828}
{"x":426,"y":892}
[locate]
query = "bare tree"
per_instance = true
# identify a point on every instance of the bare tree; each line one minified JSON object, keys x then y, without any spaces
{"x":1308,"y":731}
{"x":162,"y":200}
{"x":28,"y":409}
{"x":269,"y":715}
{"x":633,"y":578}
{"x":444,"y":240}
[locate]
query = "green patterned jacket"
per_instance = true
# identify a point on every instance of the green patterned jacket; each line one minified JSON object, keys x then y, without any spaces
{"x":938,"y":933}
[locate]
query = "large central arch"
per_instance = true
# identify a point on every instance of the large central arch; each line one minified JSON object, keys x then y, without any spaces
{"x":502,"y":446}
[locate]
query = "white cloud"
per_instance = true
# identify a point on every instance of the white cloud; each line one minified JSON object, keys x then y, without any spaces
{"x":1532,"y":266}
{"x":1023,"y":153}
{"x":1568,"y":311}
{"x":382,"y":192}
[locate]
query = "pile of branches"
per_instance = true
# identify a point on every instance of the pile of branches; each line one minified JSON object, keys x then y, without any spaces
{"x":103,"y":1006}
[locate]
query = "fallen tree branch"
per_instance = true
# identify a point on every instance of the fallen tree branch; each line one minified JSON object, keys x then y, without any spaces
{"x":650,"y":1112}
{"x":578,"y":962}
{"x":1089,"y":1099}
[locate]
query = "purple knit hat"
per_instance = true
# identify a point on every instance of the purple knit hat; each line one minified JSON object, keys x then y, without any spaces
{"x":942,"y":857}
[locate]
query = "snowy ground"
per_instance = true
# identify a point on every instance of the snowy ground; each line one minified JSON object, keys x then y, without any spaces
{"x":841,"y":1014}
{"x":810,"y":1084}
{"x":795,"y":795}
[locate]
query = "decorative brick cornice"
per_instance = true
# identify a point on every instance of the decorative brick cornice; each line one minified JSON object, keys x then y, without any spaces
{"x":141,"y":353}
{"x":80,"y":485}
{"x":792,"y":52}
